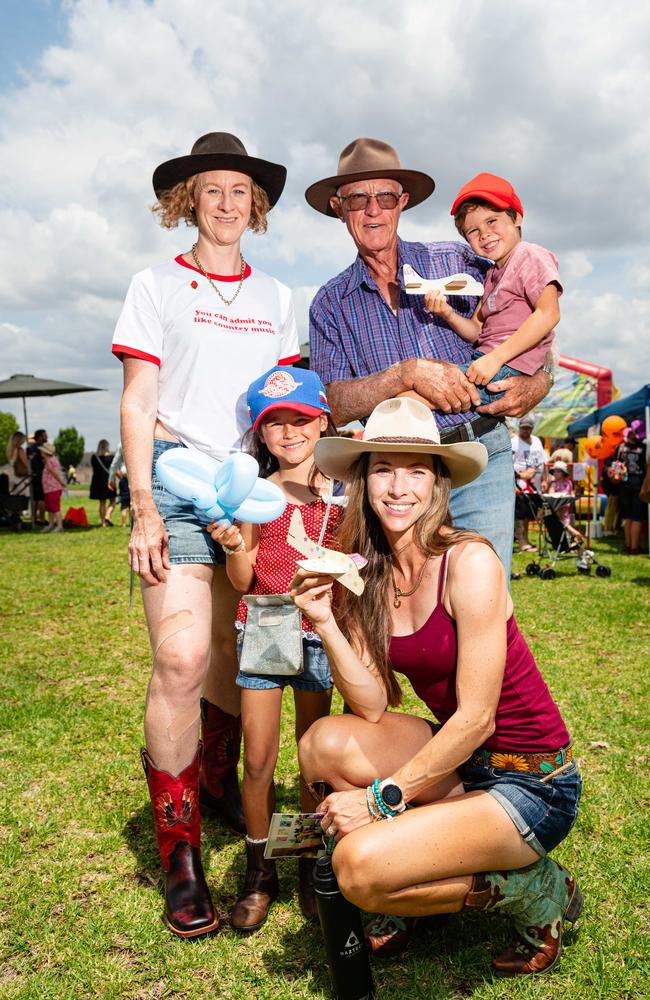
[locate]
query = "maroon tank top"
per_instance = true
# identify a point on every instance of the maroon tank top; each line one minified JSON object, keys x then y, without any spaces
{"x":527,"y":718}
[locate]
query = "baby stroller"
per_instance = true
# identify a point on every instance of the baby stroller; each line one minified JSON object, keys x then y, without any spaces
{"x":556,"y":541}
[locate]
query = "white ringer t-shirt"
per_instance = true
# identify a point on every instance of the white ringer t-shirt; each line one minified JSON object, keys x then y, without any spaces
{"x":208,"y":353}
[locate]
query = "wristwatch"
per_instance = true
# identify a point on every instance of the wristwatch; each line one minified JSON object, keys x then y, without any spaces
{"x":391,"y":795}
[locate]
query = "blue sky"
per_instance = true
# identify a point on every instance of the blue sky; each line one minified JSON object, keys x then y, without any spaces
{"x":28,"y":27}
{"x":95,"y":93}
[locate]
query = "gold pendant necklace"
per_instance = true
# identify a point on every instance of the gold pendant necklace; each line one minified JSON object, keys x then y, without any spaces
{"x":408,"y":593}
{"x":226,"y":302}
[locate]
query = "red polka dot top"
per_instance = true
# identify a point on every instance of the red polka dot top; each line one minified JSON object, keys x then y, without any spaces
{"x":275,"y":566}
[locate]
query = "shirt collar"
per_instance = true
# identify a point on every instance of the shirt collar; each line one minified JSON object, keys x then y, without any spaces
{"x":360,"y":274}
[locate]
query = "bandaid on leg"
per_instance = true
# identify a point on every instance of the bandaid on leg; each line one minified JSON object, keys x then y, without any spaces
{"x":174,"y":726}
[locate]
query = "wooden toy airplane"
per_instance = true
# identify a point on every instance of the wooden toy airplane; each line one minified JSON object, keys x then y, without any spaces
{"x":343,"y":568}
{"x":455,"y":284}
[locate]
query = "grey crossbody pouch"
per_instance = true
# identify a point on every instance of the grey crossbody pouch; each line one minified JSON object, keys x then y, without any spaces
{"x":273,"y":636}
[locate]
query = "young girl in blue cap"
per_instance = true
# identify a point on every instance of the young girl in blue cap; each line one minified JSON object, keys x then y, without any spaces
{"x":289,"y":413}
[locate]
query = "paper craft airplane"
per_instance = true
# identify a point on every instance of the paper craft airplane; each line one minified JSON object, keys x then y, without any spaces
{"x":455,"y":284}
{"x":321,"y":560}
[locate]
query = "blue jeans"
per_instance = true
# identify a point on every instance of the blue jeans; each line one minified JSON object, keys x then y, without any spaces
{"x":487,"y":505}
{"x":504,"y":372}
{"x":542,"y":811}
{"x":189,"y":542}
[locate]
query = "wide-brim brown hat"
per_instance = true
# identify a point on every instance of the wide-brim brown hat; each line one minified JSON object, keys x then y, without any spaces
{"x":401,"y":425}
{"x":364,"y":160}
{"x":221,"y":151}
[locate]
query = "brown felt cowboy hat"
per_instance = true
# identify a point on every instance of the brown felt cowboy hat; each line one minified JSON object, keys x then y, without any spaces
{"x":401,"y":425}
{"x":363,"y":160}
{"x":221,"y":151}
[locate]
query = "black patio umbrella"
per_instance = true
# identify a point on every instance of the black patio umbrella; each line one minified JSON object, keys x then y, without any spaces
{"x":23,"y":386}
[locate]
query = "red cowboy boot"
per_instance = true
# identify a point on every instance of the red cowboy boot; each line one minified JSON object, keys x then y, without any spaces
{"x":219,"y":790}
{"x":188,"y":906}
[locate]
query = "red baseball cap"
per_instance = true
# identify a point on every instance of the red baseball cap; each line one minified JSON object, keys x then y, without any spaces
{"x":494,"y":189}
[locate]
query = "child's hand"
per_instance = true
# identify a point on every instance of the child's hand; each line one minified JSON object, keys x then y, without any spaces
{"x":437,"y":303}
{"x":225,"y":534}
{"x":483,"y":369}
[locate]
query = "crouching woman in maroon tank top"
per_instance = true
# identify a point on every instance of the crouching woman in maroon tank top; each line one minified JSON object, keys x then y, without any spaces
{"x":494,"y":783}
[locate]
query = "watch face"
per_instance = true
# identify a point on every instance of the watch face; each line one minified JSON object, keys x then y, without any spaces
{"x":392,"y":795}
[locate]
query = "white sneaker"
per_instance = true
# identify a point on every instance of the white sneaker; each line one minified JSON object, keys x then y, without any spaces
{"x":54,"y":530}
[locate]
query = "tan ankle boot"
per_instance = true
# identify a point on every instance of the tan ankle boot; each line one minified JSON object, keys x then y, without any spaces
{"x":260,"y":889}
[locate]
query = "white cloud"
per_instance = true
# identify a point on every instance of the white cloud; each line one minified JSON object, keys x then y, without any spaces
{"x":547,"y":96}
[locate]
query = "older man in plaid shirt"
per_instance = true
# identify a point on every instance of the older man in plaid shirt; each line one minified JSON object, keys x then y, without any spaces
{"x":370,"y":341}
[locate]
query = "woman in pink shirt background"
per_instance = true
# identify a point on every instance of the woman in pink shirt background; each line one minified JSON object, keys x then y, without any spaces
{"x":53,"y":486}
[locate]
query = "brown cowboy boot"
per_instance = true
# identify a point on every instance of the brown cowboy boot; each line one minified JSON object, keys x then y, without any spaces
{"x":259,"y":890}
{"x":188,"y":906}
{"x":540,"y":898}
{"x":219,"y":796}
{"x":306,"y":894}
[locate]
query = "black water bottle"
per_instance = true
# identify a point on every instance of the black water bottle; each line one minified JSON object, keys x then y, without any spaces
{"x":342,"y":930}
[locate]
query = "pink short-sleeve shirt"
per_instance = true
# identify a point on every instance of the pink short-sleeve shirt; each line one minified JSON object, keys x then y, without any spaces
{"x":509,"y":298}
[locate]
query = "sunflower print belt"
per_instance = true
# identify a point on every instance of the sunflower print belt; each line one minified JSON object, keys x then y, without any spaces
{"x":532,"y":763}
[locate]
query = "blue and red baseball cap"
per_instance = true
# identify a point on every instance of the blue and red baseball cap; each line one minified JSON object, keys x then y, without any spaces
{"x":285,"y":387}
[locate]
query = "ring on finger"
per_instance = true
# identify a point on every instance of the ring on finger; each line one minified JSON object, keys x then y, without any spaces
{"x":332,"y":830}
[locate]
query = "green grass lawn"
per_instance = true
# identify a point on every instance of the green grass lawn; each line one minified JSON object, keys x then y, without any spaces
{"x":80,"y":884}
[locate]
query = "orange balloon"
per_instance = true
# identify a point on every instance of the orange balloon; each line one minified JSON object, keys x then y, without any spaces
{"x":613,"y":426}
{"x":600,"y":447}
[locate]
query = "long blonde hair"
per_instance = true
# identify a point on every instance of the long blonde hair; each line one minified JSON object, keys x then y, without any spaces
{"x":16,"y":441}
{"x":368,"y":618}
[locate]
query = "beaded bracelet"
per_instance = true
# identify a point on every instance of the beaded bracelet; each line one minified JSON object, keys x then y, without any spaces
{"x":371,"y":809}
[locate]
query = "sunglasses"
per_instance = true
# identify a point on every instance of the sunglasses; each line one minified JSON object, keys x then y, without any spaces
{"x":359,"y":202}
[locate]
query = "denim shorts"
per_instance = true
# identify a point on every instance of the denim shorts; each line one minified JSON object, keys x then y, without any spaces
{"x":189,"y":542}
{"x":315,"y":676}
{"x":542,"y":811}
{"x":504,"y":372}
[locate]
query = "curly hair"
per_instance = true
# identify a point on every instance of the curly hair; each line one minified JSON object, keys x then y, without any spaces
{"x":175,"y":205}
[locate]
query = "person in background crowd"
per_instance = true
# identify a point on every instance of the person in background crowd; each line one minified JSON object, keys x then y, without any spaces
{"x":99,"y":485}
{"x":633,"y":510}
{"x":124,"y":494}
{"x":17,"y":456}
{"x":565,"y":452}
{"x":53,"y":486}
{"x":36,"y":466}
{"x":528,"y":458}
{"x":612,"y":490}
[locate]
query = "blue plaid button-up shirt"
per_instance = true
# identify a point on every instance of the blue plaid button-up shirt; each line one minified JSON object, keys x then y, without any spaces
{"x":353,"y":332}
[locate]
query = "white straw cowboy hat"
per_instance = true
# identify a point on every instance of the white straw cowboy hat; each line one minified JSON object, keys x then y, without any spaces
{"x":401,"y":425}
{"x":220,"y":151}
{"x":364,"y":160}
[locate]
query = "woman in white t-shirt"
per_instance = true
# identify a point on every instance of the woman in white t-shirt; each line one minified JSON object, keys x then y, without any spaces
{"x":193,"y":333}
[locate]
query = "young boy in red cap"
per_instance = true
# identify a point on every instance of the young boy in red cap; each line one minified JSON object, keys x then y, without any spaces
{"x":513,"y":325}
